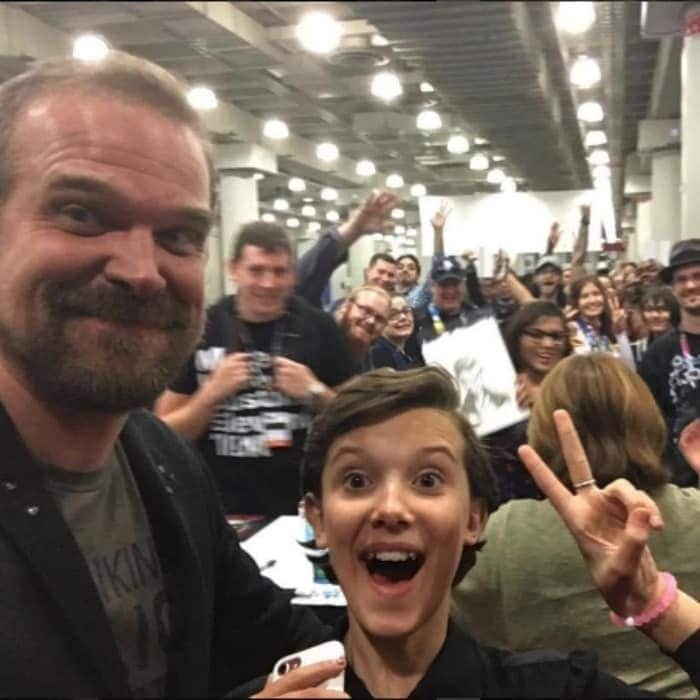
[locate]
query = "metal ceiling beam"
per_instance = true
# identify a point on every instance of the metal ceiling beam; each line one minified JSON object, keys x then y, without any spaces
{"x":25,"y":36}
{"x":665,"y":100}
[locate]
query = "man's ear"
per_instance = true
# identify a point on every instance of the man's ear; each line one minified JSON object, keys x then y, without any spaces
{"x":232,"y":267}
{"x":314,"y":515}
{"x":476,"y":522}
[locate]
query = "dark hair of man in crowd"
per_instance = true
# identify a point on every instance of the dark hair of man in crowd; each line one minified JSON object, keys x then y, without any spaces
{"x":385,"y":257}
{"x":621,"y":428}
{"x":410,"y":256}
{"x":131,"y":79}
{"x":662,"y":296}
{"x":271,"y":237}
{"x":606,"y":323}
{"x":381,"y":394}
{"x":523,"y":318}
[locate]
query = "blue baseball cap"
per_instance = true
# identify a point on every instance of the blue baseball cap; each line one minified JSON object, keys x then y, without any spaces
{"x":447,"y":268}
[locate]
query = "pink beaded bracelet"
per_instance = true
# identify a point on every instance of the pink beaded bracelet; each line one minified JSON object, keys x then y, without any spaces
{"x":657,"y":608}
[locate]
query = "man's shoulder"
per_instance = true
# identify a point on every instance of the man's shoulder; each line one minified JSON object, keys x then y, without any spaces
{"x":669,"y":343}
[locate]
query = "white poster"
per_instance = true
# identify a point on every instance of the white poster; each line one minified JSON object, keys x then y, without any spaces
{"x":477,"y":358}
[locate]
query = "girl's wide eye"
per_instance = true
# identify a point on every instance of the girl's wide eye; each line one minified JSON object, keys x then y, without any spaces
{"x":429,"y":479}
{"x":356,"y":481}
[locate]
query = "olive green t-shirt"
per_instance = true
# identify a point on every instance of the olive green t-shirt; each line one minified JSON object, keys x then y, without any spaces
{"x":104,"y":511}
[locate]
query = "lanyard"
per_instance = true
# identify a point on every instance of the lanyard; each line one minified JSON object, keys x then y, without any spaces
{"x":246,"y":339}
{"x":596,"y":341}
{"x":685,"y":348}
{"x":438,"y":325}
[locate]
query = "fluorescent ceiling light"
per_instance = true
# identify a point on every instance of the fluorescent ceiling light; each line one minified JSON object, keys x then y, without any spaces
{"x":308,"y":210}
{"x":498,"y":159}
{"x":428,"y":120}
{"x":599,"y":157}
{"x":399,"y":229}
{"x":495,"y":176}
{"x":313,"y":226}
{"x":365,"y":168}
{"x":585,"y":72}
{"x":275,"y":129}
{"x":590,"y":112}
{"x":386,"y":86}
{"x":394,"y":180}
{"x":258,"y":176}
{"x":595,"y":138}
{"x":575,"y":17}
{"x":280,"y":205}
{"x":328,"y":194}
{"x":418,"y":190}
{"x":268,"y":218}
{"x":332,"y":215}
{"x":378,"y":40}
{"x":202,"y":98}
{"x":480,"y":142}
{"x":319,"y":33}
{"x":90,"y":47}
{"x":327,"y":151}
{"x":509,"y":186}
{"x":397,"y":213}
{"x":296,"y":184}
{"x":426,"y":87}
{"x":293,"y":222}
{"x":458,"y":144}
{"x":478,"y":162}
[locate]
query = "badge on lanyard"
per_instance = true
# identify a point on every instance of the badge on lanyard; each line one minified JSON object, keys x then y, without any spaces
{"x":278,"y":430}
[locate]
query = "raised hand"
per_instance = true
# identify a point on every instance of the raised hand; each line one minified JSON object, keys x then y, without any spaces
{"x":689,"y":444}
{"x":440,"y":216}
{"x":501,"y":265}
{"x":373,"y":215}
{"x":619,"y":315}
{"x":611,"y":526}
{"x":554,"y":236}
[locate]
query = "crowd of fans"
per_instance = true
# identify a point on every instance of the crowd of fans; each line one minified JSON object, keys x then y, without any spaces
{"x":120,"y":574}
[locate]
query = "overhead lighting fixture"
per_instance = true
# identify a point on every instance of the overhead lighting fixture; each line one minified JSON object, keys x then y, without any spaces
{"x":498,"y":159}
{"x":478,"y":162}
{"x":308,"y":199}
{"x":428,"y":120}
{"x":418,"y":190}
{"x":280,"y":205}
{"x":601,"y":171}
{"x":313,"y":226}
{"x":319,"y":33}
{"x":328,"y":194}
{"x":365,"y":168}
{"x":202,"y":98}
{"x":595,"y":138}
{"x":399,"y":229}
{"x":426,"y":87}
{"x":268,"y":218}
{"x":90,"y":47}
{"x":397,"y":213}
{"x":275,"y":129}
{"x":386,"y":86}
{"x":495,"y":176}
{"x":590,"y":112}
{"x":394,"y":180}
{"x":296,"y":184}
{"x":293,"y":222}
{"x":378,"y":40}
{"x":258,"y":176}
{"x":599,"y":157}
{"x":332,"y":216}
{"x":585,"y":73}
{"x":327,"y":151}
{"x":308,"y":210}
{"x":575,"y":17}
{"x":480,"y":142}
{"x":509,"y":186}
{"x":411,"y":231}
{"x":458,"y":144}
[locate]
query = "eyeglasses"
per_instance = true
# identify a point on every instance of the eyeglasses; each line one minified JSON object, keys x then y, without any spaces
{"x":396,"y":315}
{"x":539,"y":336}
{"x":368,"y":312}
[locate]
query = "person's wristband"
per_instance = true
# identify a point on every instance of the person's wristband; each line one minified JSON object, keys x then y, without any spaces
{"x":655,"y":610}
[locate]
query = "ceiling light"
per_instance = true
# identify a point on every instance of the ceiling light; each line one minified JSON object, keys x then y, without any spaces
{"x":478,"y":162}
{"x":202,"y":98}
{"x":599,"y":157}
{"x":426,"y":87}
{"x":378,"y":40}
{"x":319,"y":33}
{"x":327,"y":151}
{"x":328,"y":194}
{"x":90,"y":47}
{"x":365,"y":168}
{"x":386,"y":86}
{"x":428,"y":120}
{"x":495,"y":176}
{"x":258,"y":176}
{"x":418,"y":190}
{"x":498,"y":159}
{"x":480,"y":142}
{"x":601,"y":171}
{"x":585,"y":72}
{"x":394,"y":180}
{"x":296,"y":184}
{"x":313,"y":226}
{"x":458,"y":144}
{"x":399,"y":229}
{"x":575,"y":17}
{"x":280,"y":205}
{"x":268,"y":218}
{"x":332,"y":216}
{"x":308,"y":210}
{"x":411,"y":231}
{"x":509,"y":186}
{"x":397,"y":213}
{"x":590,"y":112}
{"x":293,"y":222}
{"x":308,"y":199}
{"x":275,"y":129}
{"x":595,"y":138}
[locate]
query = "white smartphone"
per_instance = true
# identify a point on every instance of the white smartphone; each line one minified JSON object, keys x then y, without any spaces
{"x":328,"y":651}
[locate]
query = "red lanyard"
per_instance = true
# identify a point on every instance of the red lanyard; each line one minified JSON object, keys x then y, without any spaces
{"x":685,"y":348}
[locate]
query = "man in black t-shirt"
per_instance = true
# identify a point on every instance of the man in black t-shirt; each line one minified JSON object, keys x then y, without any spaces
{"x":671,"y":366}
{"x":266,"y":362}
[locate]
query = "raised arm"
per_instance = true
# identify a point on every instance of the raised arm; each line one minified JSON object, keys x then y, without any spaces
{"x":578,"y":256}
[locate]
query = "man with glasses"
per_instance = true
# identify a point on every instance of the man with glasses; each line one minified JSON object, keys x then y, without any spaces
{"x":392,"y":349}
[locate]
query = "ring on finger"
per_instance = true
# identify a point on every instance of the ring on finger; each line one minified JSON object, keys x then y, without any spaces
{"x":584,"y":484}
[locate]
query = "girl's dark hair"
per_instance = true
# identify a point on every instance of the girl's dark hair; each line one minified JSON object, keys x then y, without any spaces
{"x":376,"y":396}
{"x":524,"y":317}
{"x":664,"y":297}
{"x":575,"y":290}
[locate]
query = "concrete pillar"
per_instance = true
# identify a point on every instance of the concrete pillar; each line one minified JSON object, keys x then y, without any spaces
{"x":238,"y":204}
{"x":690,"y":124}
{"x":644,"y":247}
{"x":666,"y":195}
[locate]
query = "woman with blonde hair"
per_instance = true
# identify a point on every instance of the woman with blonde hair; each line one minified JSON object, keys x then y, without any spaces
{"x":529,"y":589}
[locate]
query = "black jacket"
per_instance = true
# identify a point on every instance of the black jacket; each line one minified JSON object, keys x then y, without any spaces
{"x":227,"y":622}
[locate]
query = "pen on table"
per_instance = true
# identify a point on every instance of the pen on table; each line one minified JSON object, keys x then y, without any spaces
{"x":268,"y":564}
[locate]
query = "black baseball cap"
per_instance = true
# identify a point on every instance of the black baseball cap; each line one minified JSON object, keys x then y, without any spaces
{"x":447,"y":268}
{"x":685,"y":252}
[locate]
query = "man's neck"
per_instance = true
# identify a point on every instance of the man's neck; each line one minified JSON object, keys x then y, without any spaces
{"x":245,"y":313}
{"x":392,"y":667}
{"x":404,"y":288}
{"x":690,"y":322}
{"x":70,"y":439}
{"x":397,"y":342}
